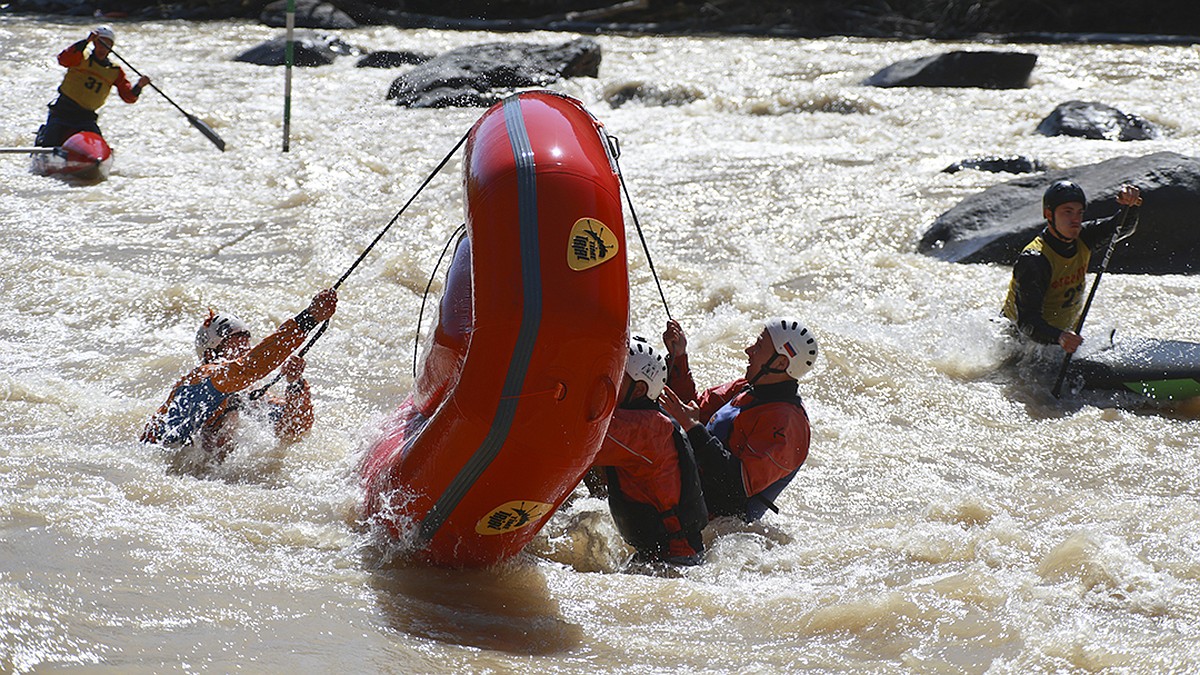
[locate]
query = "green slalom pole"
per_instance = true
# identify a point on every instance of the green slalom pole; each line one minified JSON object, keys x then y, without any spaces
{"x":289,"y":58}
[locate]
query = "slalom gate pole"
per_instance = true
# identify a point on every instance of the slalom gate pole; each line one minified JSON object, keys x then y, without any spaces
{"x":289,"y":59}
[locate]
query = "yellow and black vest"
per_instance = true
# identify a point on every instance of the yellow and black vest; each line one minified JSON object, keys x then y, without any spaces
{"x":1064,"y":297}
{"x":88,"y":83}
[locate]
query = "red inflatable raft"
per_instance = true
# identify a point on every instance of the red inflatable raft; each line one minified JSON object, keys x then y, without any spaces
{"x":85,"y":156}
{"x":514,"y":395}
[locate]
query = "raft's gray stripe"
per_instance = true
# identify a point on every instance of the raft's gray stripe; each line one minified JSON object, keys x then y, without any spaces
{"x":531,"y":319}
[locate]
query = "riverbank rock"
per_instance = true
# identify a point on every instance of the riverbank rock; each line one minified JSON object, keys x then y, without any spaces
{"x":309,"y":14}
{"x":994,"y":225}
{"x":994,"y":164}
{"x":985,"y":70}
{"x":391,"y":59}
{"x":480,"y":75}
{"x":309,"y":49}
{"x":1097,"y":121}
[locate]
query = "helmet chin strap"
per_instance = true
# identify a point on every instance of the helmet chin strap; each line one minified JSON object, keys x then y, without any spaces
{"x":766,"y":369}
{"x":1054,"y":229}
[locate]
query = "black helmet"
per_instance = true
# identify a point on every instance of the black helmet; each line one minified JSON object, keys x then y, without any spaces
{"x":1062,"y":192}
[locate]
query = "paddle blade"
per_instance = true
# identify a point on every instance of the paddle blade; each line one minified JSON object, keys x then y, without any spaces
{"x":207,"y":131}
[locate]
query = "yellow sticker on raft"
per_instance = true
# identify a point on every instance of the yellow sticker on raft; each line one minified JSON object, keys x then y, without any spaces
{"x":512,"y":516}
{"x":591,"y":243}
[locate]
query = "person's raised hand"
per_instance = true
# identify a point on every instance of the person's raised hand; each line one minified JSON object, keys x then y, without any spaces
{"x":1129,"y":195}
{"x":674,"y":339}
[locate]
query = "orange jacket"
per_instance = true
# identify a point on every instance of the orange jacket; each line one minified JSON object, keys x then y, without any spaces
{"x":653,"y":484}
{"x":753,"y":441}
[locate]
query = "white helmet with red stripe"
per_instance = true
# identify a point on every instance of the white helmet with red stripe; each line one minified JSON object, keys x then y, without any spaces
{"x":646,"y":365}
{"x":215,"y":329}
{"x":795,"y":341}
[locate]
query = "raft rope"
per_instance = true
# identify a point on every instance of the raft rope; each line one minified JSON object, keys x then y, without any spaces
{"x":257,"y":393}
{"x":424,"y":296}
{"x":614,"y":145}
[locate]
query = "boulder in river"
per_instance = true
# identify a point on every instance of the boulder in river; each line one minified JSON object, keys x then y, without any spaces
{"x":985,"y":70}
{"x":997,"y":164}
{"x":309,"y":49}
{"x":391,"y":59}
{"x":480,"y":75}
{"x":994,"y":225}
{"x":1096,"y":121}
{"x":309,"y":14}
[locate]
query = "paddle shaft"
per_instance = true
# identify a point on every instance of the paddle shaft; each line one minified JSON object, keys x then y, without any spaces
{"x":28,"y":151}
{"x":195,"y":121}
{"x":1112,"y":244}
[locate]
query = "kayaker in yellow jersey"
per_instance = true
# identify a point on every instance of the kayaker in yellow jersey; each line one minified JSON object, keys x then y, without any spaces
{"x":90,"y":77}
{"x":1049,"y":278}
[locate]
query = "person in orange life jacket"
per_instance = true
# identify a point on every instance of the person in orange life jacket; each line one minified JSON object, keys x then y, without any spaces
{"x":202,"y":405}
{"x":751,"y":435}
{"x":653,"y":483}
{"x":85,"y":88}
{"x":1046,"y":294}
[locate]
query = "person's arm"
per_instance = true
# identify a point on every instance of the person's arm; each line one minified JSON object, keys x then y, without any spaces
{"x":129,"y":93}
{"x":1031,"y":273}
{"x":1097,"y":233}
{"x":276,"y":347}
{"x":679,"y":374}
{"x":294,"y":416}
{"x":73,"y":55}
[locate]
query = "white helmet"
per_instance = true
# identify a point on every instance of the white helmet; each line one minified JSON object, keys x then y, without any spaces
{"x":215,"y":329}
{"x":646,"y":365}
{"x":793,"y":340}
{"x":105,"y":33}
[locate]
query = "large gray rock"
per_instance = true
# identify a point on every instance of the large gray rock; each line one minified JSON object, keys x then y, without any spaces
{"x":996,"y":164}
{"x":480,"y":75}
{"x":985,"y":70}
{"x":994,"y":225}
{"x":309,"y":14}
{"x":391,"y":59}
{"x":1096,"y":121}
{"x":309,"y":49}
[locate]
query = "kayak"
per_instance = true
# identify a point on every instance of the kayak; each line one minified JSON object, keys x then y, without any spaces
{"x":84,"y":156}
{"x":519,"y":380}
{"x":1165,"y":370}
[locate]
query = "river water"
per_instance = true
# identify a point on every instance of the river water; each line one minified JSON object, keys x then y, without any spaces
{"x":952,"y":516}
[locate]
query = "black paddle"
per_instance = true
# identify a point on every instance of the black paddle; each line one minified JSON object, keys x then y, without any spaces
{"x":196,"y":122}
{"x":1117,"y":236}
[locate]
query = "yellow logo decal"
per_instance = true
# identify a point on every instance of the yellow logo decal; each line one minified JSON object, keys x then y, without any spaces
{"x":512,"y":516}
{"x":591,"y":243}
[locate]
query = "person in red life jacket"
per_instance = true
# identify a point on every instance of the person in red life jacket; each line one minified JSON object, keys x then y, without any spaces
{"x":202,"y":406}
{"x":751,"y":435}
{"x":90,"y":76}
{"x":653,"y":483}
{"x":1046,"y":294}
